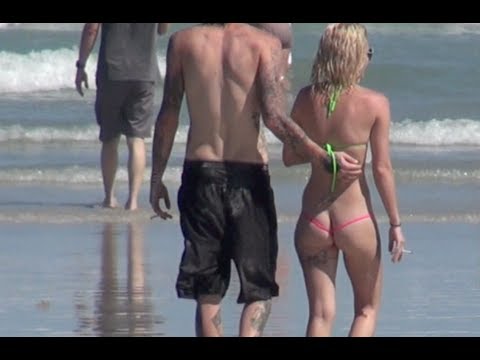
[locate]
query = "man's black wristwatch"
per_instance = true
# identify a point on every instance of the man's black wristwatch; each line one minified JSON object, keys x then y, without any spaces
{"x":79,"y":65}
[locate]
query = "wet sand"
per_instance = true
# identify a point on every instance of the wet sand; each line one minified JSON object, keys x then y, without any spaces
{"x":109,"y":277}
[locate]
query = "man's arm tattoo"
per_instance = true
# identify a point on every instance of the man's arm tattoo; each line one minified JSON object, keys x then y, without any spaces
{"x":274,"y":113}
{"x":173,"y":94}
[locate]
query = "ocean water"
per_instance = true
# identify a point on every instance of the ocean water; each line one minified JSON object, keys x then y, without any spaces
{"x":48,"y":133}
{"x":49,"y":156}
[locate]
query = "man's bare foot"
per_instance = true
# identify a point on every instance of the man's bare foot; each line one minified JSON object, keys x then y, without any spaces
{"x":131,"y":205}
{"x":110,"y":203}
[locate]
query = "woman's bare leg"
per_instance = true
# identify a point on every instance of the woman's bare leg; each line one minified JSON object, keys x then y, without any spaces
{"x":318,"y":258}
{"x":360,"y":244}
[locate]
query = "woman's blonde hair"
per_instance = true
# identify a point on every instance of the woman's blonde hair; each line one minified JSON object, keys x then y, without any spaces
{"x":341,"y":59}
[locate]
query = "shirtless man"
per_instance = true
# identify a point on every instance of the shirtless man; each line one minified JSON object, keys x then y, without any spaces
{"x":230,"y":74}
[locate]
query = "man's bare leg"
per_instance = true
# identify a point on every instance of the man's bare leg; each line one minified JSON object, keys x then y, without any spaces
{"x":109,"y":164}
{"x":208,"y":321}
{"x":136,"y":169}
{"x":254,"y":318}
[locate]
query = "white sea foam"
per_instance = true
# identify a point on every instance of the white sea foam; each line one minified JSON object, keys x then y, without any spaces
{"x":46,"y":70}
{"x":446,"y":132}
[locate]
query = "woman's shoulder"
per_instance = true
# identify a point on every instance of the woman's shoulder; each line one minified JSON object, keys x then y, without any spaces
{"x":373,"y":96}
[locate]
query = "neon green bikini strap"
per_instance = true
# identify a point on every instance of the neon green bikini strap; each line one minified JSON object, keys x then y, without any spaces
{"x":332,"y":102}
{"x":331,"y":153}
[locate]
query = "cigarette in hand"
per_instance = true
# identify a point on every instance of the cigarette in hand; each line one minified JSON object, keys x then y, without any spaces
{"x":405,"y":251}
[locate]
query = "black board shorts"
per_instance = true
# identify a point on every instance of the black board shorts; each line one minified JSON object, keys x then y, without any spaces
{"x":227,"y":212}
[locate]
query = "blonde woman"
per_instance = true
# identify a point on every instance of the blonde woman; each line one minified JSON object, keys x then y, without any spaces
{"x":337,"y":215}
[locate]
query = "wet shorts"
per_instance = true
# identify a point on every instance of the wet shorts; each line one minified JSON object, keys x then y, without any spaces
{"x":124,"y":107}
{"x":227,"y":212}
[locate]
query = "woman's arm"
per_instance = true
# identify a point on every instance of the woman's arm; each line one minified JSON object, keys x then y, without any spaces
{"x":383,"y":174}
{"x":381,"y":163}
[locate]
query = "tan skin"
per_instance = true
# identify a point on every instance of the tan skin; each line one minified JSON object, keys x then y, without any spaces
{"x":361,"y":116}
{"x":230,"y":75}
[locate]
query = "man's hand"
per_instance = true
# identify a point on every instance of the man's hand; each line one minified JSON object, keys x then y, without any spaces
{"x":80,"y":78}
{"x":158,"y":191}
{"x":350,"y":168}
